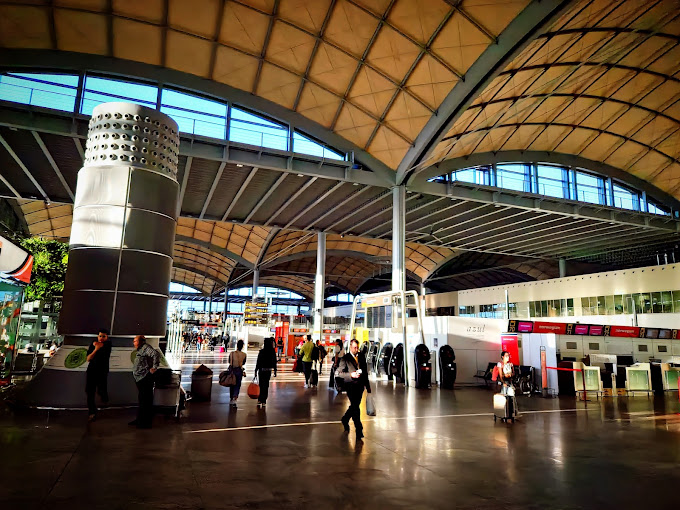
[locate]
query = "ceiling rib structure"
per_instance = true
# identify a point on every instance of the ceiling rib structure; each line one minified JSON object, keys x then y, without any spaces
{"x":409,"y":90}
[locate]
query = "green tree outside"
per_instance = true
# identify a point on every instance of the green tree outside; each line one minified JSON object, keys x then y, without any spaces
{"x":49,"y":269}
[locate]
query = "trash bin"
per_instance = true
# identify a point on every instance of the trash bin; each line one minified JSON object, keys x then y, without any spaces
{"x":447,"y":367}
{"x":423,"y":366}
{"x":201,"y":384}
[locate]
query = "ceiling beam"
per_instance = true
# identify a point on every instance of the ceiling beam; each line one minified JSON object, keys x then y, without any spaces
{"x":243,"y":187}
{"x":524,"y":28}
{"x":53,"y":164}
{"x":265,"y":197}
{"x":314,"y":203}
{"x":216,"y":181}
{"x":21,"y":165}
{"x":374,"y":200}
{"x":185,"y":180}
{"x":330,"y":211}
{"x":290,"y":200}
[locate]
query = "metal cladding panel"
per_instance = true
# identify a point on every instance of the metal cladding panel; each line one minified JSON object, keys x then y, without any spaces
{"x":144,"y":272}
{"x":30,"y":154}
{"x":343,"y":211}
{"x":201,"y":178}
{"x":102,"y":185}
{"x":147,"y":231}
{"x":287,"y":188}
{"x":231,"y":181}
{"x":140,"y":314}
{"x":85,"y":312}
{"x":152,"y":191}
{"x":16,"y":176}
{"x":65,"y":154}
{"x":97,"y":226}
{"x":258,"y":186}
{"x":92,"y":268}
{"x":308,"y":196}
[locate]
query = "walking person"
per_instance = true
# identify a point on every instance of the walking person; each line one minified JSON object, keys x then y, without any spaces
{"x":306,"y":352}
{"x":97,"y":375}
{"x":237,"y":361}
{"x":266,"y":363}
{"x":354,"y":371}
{"x":322,"y":354}
{"x":279,"y":347}
{"x":144,"y":366}
{"x":338,"y":354}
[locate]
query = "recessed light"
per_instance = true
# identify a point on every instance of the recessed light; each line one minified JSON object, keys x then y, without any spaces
{"x":240,"y":166}
{"x":300,"y":175}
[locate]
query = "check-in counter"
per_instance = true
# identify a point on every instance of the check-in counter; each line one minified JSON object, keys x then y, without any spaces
{"x":639,"y":378}
{"x":593,"y":381}
{"x":669,"y":377}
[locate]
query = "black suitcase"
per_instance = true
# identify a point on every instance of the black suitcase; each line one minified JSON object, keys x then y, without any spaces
{"x":314,"y":378}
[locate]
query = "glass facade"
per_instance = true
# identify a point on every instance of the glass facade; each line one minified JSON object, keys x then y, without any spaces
{"x":618,"y":304}
{"x":557,"y":182}
{"x":194,"y":115}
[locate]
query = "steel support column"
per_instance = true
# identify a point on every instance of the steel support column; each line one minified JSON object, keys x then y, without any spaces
{"x":399,"y":238}
{"x":256,"y":282}
{"x":319,"y":283}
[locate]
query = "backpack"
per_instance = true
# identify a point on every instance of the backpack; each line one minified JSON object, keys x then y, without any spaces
{"x":494,"y":374}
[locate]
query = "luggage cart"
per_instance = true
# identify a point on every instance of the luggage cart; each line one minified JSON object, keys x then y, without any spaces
{"x":168,"y":394}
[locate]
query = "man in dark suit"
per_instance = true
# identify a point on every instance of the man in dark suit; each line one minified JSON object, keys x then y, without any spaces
{"x":354,"y":371}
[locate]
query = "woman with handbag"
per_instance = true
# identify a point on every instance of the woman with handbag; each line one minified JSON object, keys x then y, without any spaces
{"x":237,"y":360}
{"x":266,"y":363}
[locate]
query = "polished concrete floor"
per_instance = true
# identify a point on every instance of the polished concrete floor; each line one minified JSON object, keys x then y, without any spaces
{"x":425,"y":449}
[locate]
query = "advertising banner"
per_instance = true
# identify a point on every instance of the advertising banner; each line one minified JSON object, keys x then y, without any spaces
{"x":509,"y":343}
{"x":550,"y":327}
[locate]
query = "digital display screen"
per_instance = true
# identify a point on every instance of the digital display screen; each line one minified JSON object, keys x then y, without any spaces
{"x":581,"y":329}
{"x":665,"y":333}
{"x":596,"y":330}
{"x":651,"y":333}
{"x":525,"y":327}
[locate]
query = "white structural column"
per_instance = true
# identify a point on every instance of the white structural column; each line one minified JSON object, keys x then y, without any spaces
{"x":256,"y":282}
{"x":398,"y":238}
{"x":319,"y":284}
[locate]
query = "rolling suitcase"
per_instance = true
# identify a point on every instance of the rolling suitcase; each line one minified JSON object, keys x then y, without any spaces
{"x":504,"y":406}
{"x":314,"y":377}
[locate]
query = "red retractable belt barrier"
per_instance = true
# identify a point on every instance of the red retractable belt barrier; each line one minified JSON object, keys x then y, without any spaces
{"x":583,"y":378}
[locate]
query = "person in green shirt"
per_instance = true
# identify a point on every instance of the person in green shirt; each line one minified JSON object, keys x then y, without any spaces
{"x":306,"y":351}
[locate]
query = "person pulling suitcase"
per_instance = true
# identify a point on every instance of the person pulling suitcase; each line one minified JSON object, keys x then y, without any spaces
{"x":505,"y":404}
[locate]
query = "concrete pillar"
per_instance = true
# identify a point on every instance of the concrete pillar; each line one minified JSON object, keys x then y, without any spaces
{"x":398,"y":238}
{"x":562,"y":267}
{"x":319,"y":284}
{"x":256,"y":282}
{"x":120,"y":252}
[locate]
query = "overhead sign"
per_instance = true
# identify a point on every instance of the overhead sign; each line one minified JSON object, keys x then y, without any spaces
{"x":368,"y":302}
{"x":559,"y":328}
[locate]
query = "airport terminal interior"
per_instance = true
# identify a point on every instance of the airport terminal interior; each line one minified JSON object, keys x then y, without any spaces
{"x":469,"y":207}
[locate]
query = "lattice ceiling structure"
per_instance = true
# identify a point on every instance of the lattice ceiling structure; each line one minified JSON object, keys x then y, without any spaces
{"x":403,"y":87}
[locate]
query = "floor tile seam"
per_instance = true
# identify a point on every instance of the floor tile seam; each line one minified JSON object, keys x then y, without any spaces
{"x":369,"y":420}
{"x":43,"y":502}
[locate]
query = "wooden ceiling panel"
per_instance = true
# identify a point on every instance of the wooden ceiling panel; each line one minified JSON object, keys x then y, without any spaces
{"x":332,"y":68}
{"x":407,"y":115}
{"x":371,"y":91}
{"x":24,"y":27}
{"x":622,"y":154}
{"x":494,"y":15}
{"x":308,"y":14}
{"x":149,"y":10}
{"x":81,"y":31}
{"x":261,"y":5}
{"x":278,"y":85}
{"x":243,"y":28}
{"x":196,"y":17}
{"x":235,"y":68}
{"x":649,"y":165}
{"x":550,"y":138}
{"x":289,"y":47}
{"x":355,"y":125}
{"x":388,"y":147}
{"x":350,"y":28}
{"x":188,"y":54}
{"x":460,"y":43}
{"x":418,"y":18}
{"x":600,"y":146}
{"x":318,"y":105}
{"x":392,"y":53}
{"x":90,"y":5}
{"x":430,"y":81}
{"x":137,"y":41}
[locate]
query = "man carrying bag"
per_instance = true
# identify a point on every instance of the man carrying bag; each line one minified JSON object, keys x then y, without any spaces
{"x":354,"y":371}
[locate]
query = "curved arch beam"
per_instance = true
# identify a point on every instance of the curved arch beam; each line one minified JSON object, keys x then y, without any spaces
{"x":199,"y":272}
{"x":312,"y":254}
{"x":82,"y":62}
{"x":222,"y":251}
{"x":526,"y":26}
{"x":559,"y":158}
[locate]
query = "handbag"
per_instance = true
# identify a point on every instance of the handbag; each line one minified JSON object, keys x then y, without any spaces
{"x":370,"y":405}
{"x":295,"y":366}
{"x":227,"y":378}
{"x":254,"y":389}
